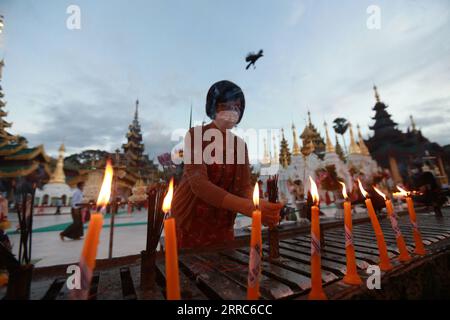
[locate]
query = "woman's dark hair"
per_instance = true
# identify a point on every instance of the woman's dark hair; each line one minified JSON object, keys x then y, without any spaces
{"x":223,"y":91}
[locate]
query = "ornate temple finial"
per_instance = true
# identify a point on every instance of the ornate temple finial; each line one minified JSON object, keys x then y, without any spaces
{"x":354,"y":148}
{"x":285,"y":156}
{"x":329,"y":148}
{"x":58,"y":175}
{"x":309,"y":118}
{"x":377,"y":96}
{"x":295,"y":147}
{"x":413,"y":124}
{"x":136,"y":112}
{"x":275,"y":159}
{"x":2,"y":64}
{"x":190,"y":118}
{"x":266,"y":156}
{"x":362,"y":146}
{"x":339,"y":150}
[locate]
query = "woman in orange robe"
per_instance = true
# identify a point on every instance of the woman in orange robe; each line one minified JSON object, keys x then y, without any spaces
{"x":217,"y":184}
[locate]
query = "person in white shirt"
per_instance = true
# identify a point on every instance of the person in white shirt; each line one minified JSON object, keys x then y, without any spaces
{"x":75,"y":230}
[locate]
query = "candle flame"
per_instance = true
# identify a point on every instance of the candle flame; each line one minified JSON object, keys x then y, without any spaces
{"x":380,"y":193}
{"x":256,"y":195}
{"x":167,"y":202}
{"x":344,"y":190}
{"x":314,"y":191}
{"x":364,"y":192}
{"x":403,"y":192}
{"x":105,"y":190}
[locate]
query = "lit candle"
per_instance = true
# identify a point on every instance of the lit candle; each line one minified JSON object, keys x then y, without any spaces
{"x":89,"y":253}
{"x":420,"y":249}
{"x":316,"y":292}
{"x":385,"y":264}
{"x":254,"y":266}
{"x":351,"y":275}
{"x":404,"y":255}
{"x":170,"y":240}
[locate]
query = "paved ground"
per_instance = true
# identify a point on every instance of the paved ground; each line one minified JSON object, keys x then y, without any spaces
{"x":48,"y":249}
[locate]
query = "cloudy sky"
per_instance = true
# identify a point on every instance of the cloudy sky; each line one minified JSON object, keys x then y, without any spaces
{"x":79,"y":86}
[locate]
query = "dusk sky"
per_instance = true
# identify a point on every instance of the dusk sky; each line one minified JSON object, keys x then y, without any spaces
{"x":79,"y":86}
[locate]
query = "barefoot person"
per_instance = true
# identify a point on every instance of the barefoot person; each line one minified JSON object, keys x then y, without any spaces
{"x":216,"y":185}
{"x":75,"y":230}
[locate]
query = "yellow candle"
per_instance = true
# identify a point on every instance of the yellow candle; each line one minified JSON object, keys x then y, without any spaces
{"x":172,"y":273}
{"x":90,"y":245}
{"x":316,"y":292}
{"x":420,"y":249}
{"x":404,"y":255}
{"x":351,"y":275}
{"x":385,"y":263}
{"x":171,"y":254}
{"x":89,"y":253}
{"x":254,"y":266}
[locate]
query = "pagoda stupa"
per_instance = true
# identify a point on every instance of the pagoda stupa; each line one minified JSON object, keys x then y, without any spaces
{"x":17,"y":160}
{"x":398,"y":151}
{"x":311,"y":134}
{"x":133,"y":151}
{"x":129,"y":166}
{"x":331,"y":158}
{"x":56,"y":192}
{"x":359,"y":161}
{"x":285,"y":154}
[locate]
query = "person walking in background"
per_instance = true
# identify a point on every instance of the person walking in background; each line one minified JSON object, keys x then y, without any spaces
{"x":75,"y":230}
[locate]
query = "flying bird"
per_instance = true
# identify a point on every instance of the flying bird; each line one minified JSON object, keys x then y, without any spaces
{"x":252,"y":58}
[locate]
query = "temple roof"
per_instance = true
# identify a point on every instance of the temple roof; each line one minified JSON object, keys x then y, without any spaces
{"x":29,"y":154}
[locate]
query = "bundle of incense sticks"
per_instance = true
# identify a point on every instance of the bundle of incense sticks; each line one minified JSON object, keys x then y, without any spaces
{"x":155,"y":217}
{"x":25,"y":217}
{"x":272,"y":190}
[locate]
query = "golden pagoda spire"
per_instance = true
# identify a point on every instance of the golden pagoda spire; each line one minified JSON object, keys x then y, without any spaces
{"x":329,"y":148}
{"x":295,"y":148}
{"x":377,"y":96}
{"x":266,"y":156}
{"x":309,"y":118}
{"x":275,"y":159}
{"x":284,"y":157}
{"x":362,"y":145}
{"x":354,"y":148}
{"x":58,"y":175}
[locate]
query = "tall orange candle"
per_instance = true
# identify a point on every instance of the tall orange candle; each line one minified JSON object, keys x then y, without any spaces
{"x":316,"y":292}
{"x":351,"y":275}
{"x":385,"y":263}
{"x":420,"y":249}
{"x":171,"y":254}
{"x":404,"y":255}
{"x":90,"y":245}
{"x":254,"y":266}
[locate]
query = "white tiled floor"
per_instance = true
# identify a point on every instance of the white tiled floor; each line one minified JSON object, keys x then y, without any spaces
{"x":48,"y":249}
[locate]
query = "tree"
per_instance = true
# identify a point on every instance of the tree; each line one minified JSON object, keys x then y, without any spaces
{"x":340,"y":127}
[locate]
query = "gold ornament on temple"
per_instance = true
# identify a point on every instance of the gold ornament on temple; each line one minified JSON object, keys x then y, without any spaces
{"x":295,"y":149}
{"x":354,"y":148}
{"x":362,"y":146}
{"x":58,"y":175}
{"x":329,"y":148}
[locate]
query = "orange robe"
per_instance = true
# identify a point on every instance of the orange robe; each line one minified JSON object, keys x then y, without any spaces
{"x":197,"y":205}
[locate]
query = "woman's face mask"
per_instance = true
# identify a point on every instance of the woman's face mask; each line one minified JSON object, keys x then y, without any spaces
{"x":227,"y":119}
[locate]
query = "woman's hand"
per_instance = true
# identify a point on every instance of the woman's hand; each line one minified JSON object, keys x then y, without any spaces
{"x":270,"y":212}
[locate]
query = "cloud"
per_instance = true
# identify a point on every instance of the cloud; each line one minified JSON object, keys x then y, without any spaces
{"x":296,"y":14}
